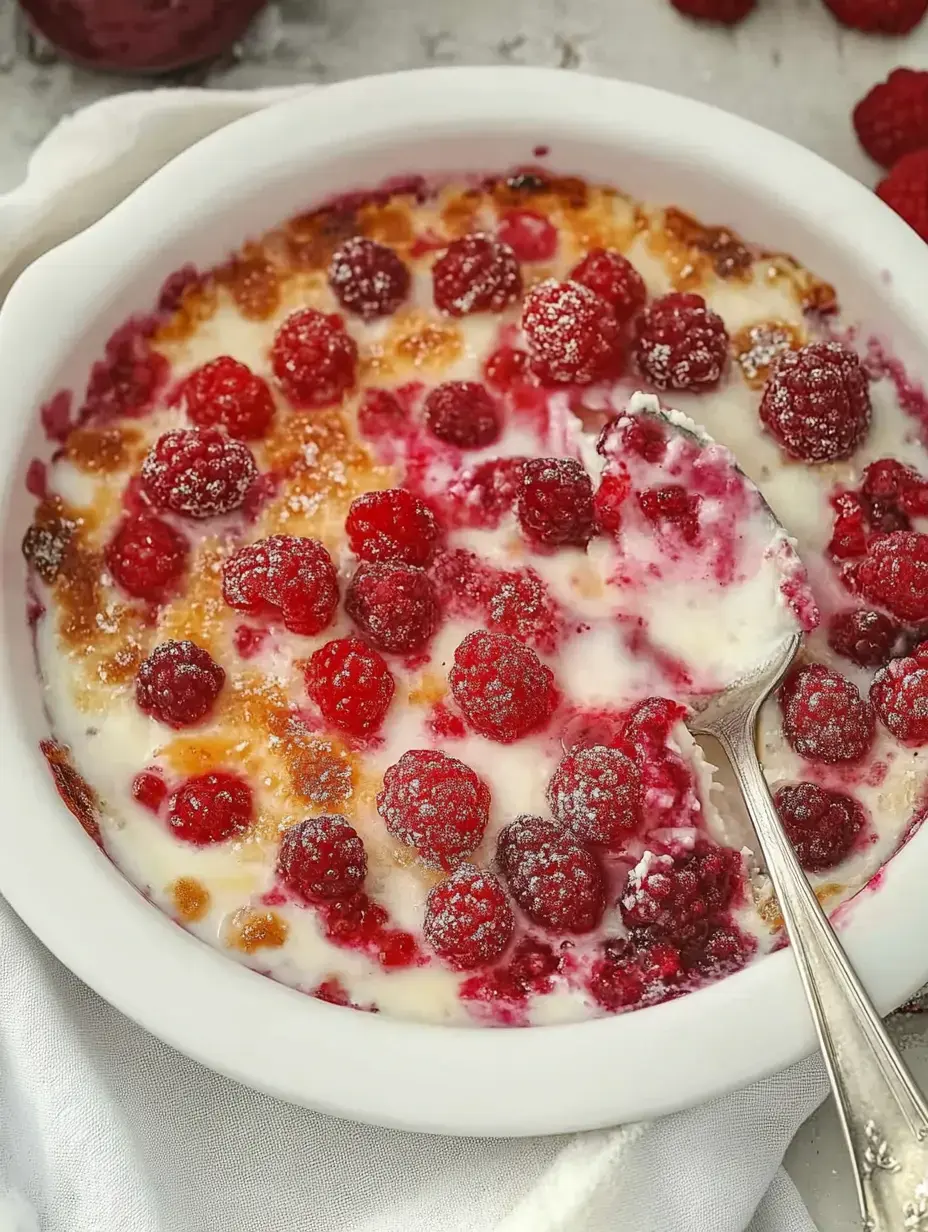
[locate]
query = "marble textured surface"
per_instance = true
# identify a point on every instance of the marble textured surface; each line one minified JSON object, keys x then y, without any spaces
{"x":790,"y":67}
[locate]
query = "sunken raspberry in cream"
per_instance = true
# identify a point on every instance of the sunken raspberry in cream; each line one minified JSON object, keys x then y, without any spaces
{"x":375,"y":571}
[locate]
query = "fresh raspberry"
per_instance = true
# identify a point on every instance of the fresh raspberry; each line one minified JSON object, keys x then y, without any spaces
{"x":150,"y":790}
{"x":128,"y":379}
{"x":210,"y":808}
{"x":463,"y":413}
{"x":178,"y":683}
{"x":892,"y":119}
{"x":482,"y":497}
{"x":572,"y":335}
{"x":392,"y":526}
{"x":519,"y":603}
{"x":866,"y":638}
{"x":681,"y":343}
{"x":728,"y":12}
{"x":227,"y":394}
{"x":905,"y":190}
{"x":199,"y":473}
{"x":596,"y":792}
{"x":822,"y":825}
{"x":351,"y":685}
{"x":616,"y":985}
{"x":899,"y":694}
{"x":382,"y":414}
{"x":314,"y":358}
{"x":146,"y":557}
{"x":531,"y":236}
{"x":283,"y":577}
{"x":476,"y":274}
{"x":461,"y":581}
{"x":322,"y":858}
{"x":675,"y":896}
{"x":611,"y":494}
{"x":849,"y":533}
{"x":502,"y":686}
{"x":724,"y":950}
{"x":614,"y":279}
{"x":556,"y":881}
{"x":672,"y":506}
{"x":626,"y":973}
{"x":394,"y":606}
{"x":816,"y":403}
{"x":468,"y":920}
{"x":824,"y":717}
{"x":894,"y":574}
{"x":505,"y":367}
{"x":436,"y":804}
{"x":891,"y":493}
{"x":556,"y":502}
{"x":879,"y":16}
{"x":368,"y":278}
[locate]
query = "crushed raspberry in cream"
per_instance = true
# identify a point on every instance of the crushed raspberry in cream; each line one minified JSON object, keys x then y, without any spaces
{"x":375,"y":571}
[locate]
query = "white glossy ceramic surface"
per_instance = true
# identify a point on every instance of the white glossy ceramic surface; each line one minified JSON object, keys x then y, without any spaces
{"x":235,"y":183}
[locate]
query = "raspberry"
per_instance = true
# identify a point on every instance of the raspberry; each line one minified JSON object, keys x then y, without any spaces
{"x":150,"y":789}
{"x":394,"y":606}
{"x":178,"y":683}
{"x":672,"y":506}
{"x":382,"y":414}
{"x":892,"y":119}
{"x":614,"y":279}
{"x":199,"y":473}
{"x":286,"y":577}
{"x":596,"y":792}
{"x":505,"y":367}
{"x":519,"y":603}
{"x":894,"y":574}
{"x":816,"y":403}
{"x":879,"y":16}
{"x":351,"y":685}
{"x":461,"y":581}
{"x":724,"y":950}
{"x":468,"y":920}
{"x":572,"y":336}
{"x":502,"y":686}
{"x":482,"y":497}
{"x":822,"y":825}
{"x":866,"y":638}
{"x":368,"y":279}
{"x":824,"y":717}
{"x":905,"y":190}
{"x":890,"y":492}
{"x":681,"y":343}
{"x":129,"y":378}
{"x":675,"y":896}
{"x":641,"y":435}
{"x":728,"y":12}
{"x":531,"y":236}
{"x":849,"y":534}
{"x":476,"y":274}
{"x":314,"y":359}
{"x":322,"y":858}
{"x":899,"y":694}
{"x":210,"y":808}
{"x":227,"y":394}
{"x":146,"y":557}
{"x":436,"y":804}
{"x":462,"y":413}
{"x":392,"y":526}
{"x":556,"y":502}
{"x":556,"y":881}
{"x":609,"y":499}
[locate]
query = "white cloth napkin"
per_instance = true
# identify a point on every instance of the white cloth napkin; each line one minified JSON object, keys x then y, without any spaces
{"x":104,"y":1129}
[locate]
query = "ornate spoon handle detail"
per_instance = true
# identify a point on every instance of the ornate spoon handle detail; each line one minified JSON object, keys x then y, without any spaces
{"x":883,"y":1115}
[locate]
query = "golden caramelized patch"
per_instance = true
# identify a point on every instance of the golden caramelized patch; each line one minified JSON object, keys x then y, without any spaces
{"x":758,"y":346}
{"x":428,"y":689}
{"x":460,"y":212}
{"x":199,"y":614}
{"x":191,"y":755}
{"x":253,"y":282}
{"x":79,"y":797}
{"x":535,"y":189}
{"x":190,"y":897}
{"x":310,"y":239}
{"x":198,"y":303}
{"x":605,"y":220}
{"x":813,"y":294}
{"x":414,"y":340}
{"x":251,"y":929}
{"x":387,"y":223}
{"x":726,"y":252}
{"x":101,"y":451}
{"x":769,"y":909}
{"x":122,"y":665}
{"x":322,"y":771}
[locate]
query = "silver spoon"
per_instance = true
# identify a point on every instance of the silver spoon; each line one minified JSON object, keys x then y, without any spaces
{"x":882,"y":1112}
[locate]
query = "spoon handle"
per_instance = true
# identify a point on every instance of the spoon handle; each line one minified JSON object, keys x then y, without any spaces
{"x":883,"y":1115}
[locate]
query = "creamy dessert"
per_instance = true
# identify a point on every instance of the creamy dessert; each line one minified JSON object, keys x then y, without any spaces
{"x":375,"y":571}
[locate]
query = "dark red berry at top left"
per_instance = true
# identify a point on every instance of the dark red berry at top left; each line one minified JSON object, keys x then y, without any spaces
{"x":178,"y":683}
{"x":392,"y":526}
{"x":556,"y":881}
{"x":314,"y":359}
{"x":436,"y":804}
{"x":394,"y":606}
{"x":322,"y":858}
{"x":227,"y":394}
{"x":200,"y":473}
{"x":368,"y":278}
{"x":351,"y":685}
{"x":468,"y":920}
{"x":285,"y":576}
{"x":146,"y":557}
{"x":556,"y":502}
{"x":503,"y":688}
{"x":463,"y":413}
{"x":210,"y":808}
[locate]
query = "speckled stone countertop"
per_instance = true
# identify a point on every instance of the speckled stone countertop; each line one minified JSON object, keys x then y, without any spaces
{"x":790,"y":67}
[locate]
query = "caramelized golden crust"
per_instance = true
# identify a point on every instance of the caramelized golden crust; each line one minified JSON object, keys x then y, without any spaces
{"x":191,"y":899}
